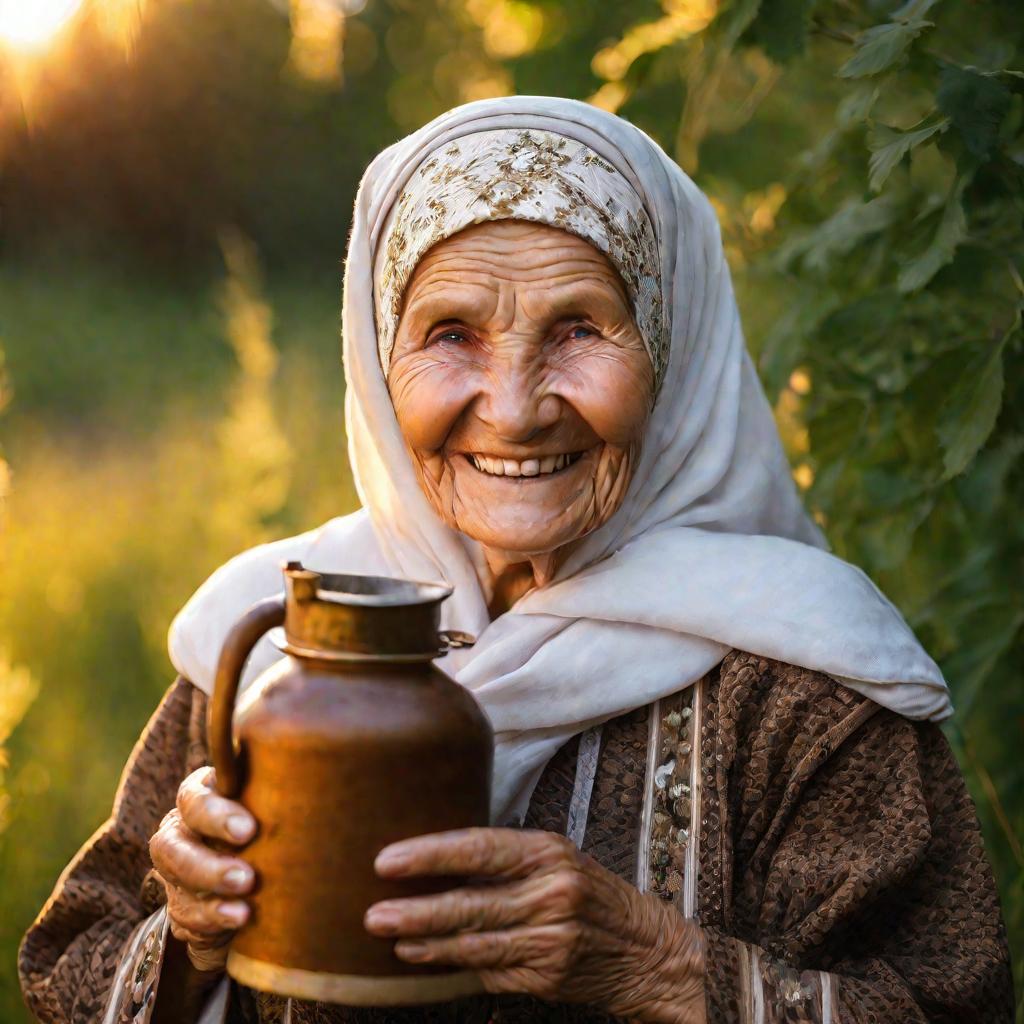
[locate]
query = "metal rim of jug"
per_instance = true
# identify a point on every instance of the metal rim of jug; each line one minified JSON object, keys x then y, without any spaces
{"x":450,"y":640}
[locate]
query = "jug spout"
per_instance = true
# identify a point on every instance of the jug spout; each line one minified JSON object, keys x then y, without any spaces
{"x":301,"y":584}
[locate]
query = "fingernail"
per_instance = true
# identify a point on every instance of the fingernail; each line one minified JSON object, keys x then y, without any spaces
{"x":413,"y":951}
{"x":240,"y":826}
{"x":382,"y":919}
{"x":393,"y":862}
{"x":237,"y":878}
{"x":233,"y":913}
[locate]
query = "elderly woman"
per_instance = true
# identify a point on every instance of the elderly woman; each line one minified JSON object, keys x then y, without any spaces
{"x":720,"y":792}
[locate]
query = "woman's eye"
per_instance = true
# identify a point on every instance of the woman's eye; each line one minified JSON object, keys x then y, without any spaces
{"x":450,"y":336}
{"x":579,"y":331}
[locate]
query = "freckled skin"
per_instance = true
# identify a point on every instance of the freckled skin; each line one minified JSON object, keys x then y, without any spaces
{"x":517,"y":340}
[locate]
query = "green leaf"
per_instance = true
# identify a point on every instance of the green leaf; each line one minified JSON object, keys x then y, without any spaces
{"x":837,"y":431}
{"x":784,"y":344}
{"x":970,"y":412}
{"x":952,"y":230}
{"x":886,"y":539}
{"x":976,"y":105}
{"x":857,"y":104}
{"x":841,"y":233}
{"x":983,"y":490}
{"x":989,"y":635}
{"x":890,"y":145}
{"x":882,"y":46}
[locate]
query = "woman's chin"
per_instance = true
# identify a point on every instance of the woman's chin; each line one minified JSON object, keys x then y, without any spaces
{"x":532,"y":533}
{"x":517,"y":544}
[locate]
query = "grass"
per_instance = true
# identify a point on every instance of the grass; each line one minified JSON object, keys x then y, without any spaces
{"x":150,"y":438}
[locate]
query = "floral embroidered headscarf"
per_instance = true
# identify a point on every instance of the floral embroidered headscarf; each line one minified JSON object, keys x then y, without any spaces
{"x":521,"y":174}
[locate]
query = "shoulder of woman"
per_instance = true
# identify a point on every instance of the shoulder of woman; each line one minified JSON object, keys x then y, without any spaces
{"x":760,"y":685}
{"x":797,"y":714}
{"x":780,"y":734}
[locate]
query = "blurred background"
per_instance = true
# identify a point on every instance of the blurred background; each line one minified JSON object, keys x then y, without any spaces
{"x":176,"y":178}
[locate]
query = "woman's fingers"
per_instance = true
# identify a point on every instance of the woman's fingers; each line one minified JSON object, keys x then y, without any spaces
{"x":488,"y":852}
{"x":209,"y":814}
{"x":470,"y":909}
{"x":205,"y":920}
{"x":178,"y":849}
{"x":181,"y":857}
{"x":198,"y":878}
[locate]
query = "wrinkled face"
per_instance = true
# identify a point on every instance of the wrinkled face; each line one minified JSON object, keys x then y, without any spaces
{"x":521,"y":385}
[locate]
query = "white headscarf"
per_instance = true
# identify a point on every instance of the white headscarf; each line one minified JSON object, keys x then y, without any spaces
{"x":710,"y":550}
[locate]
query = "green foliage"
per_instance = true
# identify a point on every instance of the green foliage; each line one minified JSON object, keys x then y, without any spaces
{"x":904,"y":310}
{"x":889,"y":146}
{"x":781,"y":28}
{"x":881,"y":46}
{"x":883,"y":304}
{"x":970,"y":410}
{"x":918,"y":270}
{"x":976,"y":104}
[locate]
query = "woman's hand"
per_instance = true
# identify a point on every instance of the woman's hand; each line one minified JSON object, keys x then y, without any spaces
{"x":203,"y":885}
{"x":545,"y":920}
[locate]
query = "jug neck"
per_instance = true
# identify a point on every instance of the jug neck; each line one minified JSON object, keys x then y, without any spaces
{"x":361,"y":620}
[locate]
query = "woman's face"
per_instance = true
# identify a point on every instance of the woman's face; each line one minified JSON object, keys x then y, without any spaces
{"x":521,"y":385}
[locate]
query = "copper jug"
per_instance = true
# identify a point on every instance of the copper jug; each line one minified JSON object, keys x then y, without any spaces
{"x":354,"y":740}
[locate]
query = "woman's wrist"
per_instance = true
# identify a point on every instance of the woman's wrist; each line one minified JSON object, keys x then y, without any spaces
{"x":207,"y":962}
{"x":667,"y":983}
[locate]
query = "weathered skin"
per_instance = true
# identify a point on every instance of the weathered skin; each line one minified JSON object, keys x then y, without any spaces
{"x":203,"y":885}
{"x":516,"y":343}
{"x":545,"y":920}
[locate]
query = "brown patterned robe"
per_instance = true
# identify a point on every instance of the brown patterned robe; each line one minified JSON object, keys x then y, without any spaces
{"x":828,"y":848}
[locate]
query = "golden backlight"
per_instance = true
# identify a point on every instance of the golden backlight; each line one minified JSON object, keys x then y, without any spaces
{"x":31,"y":24}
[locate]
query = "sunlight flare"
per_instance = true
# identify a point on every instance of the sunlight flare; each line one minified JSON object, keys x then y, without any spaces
{"x":31,"y":24}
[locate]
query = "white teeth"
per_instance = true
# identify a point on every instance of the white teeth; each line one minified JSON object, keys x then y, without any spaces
{"x":528,"y":467}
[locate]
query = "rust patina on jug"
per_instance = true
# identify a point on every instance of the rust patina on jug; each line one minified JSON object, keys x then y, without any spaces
{"x":352,"y":741}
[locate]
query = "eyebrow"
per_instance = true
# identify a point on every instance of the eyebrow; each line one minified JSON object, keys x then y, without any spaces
{"x":433,"y":309}
{"x":580,"y":297}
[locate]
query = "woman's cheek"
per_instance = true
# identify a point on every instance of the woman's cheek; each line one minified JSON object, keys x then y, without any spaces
{"x":428,"y":395}
{"x":612,"y":392}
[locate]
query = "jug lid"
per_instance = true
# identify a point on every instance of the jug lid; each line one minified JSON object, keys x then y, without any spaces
{"x":354,"y":617}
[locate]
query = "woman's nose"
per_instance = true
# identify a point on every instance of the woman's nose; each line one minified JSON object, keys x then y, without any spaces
{"x":516,"y":404}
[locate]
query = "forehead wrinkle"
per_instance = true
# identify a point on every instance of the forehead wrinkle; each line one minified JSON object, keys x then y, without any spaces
{"x":599,"y":296}
{"x":513,"y":266}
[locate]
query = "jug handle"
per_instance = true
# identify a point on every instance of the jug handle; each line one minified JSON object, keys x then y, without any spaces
{"x":240,"y":641}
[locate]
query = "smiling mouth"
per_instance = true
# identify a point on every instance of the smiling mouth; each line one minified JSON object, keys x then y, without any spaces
{"x":539,"y":467}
